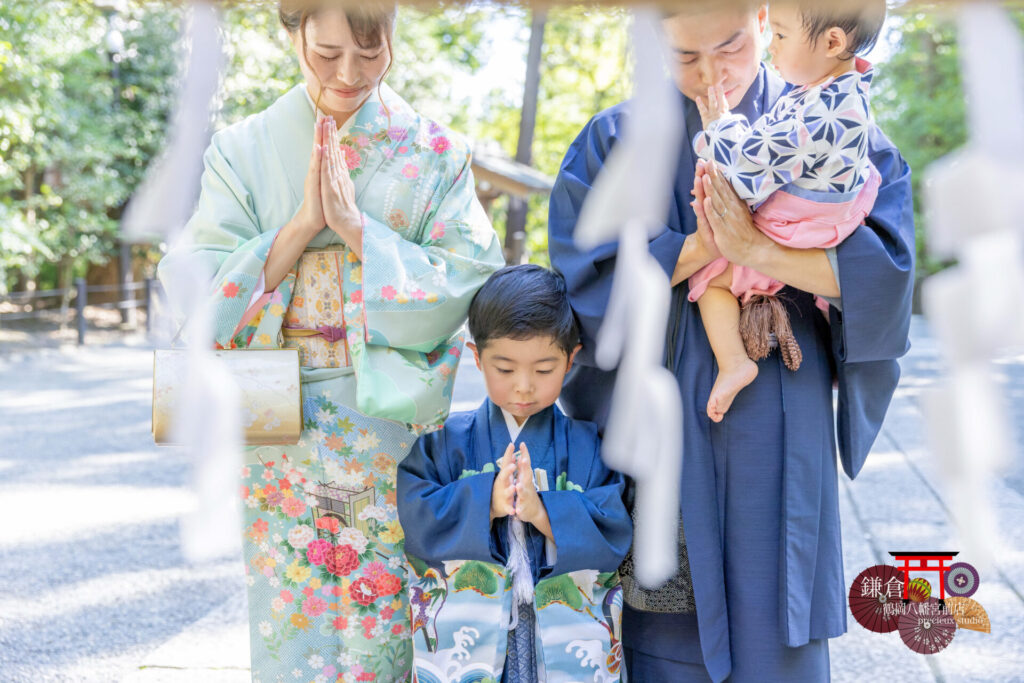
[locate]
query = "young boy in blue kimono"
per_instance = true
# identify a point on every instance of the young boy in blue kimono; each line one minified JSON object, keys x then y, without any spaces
{"x":514,"y":528}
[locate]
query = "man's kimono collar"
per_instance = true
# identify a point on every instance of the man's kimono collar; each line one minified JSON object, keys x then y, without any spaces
{"x":536,"y":434}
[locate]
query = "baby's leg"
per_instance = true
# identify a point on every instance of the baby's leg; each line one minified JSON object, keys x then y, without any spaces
{"x":720,"y":312}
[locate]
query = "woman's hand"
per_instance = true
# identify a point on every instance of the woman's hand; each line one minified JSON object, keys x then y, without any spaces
{"x":310,"y":217}
{"x":732,"y":227}
{"x":338,"y":192}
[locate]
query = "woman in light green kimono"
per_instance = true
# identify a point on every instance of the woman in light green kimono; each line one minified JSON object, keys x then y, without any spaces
{"x":375,"y":303}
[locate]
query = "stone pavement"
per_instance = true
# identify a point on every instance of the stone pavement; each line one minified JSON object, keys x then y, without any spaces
{"x":92,"y":586}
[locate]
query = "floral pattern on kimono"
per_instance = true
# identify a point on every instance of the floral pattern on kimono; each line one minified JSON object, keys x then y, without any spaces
{"x":322,"y":543}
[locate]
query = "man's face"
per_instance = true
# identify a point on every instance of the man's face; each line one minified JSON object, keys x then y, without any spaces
{"x":715,"y":47}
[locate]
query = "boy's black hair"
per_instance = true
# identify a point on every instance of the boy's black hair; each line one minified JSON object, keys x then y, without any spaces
{"x":523,"y":302}
{"x":861,"y":20}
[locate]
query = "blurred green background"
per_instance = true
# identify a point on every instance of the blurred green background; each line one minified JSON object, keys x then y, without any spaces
{"x":86,"y":90}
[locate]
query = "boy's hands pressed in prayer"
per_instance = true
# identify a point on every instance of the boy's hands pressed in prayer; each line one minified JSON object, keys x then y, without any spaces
{"x":528,"y":505}
{"x":503,"y":493}
{"x":714,"y":107}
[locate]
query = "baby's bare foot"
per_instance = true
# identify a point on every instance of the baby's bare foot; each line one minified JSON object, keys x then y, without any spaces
{"x":727,"y":385}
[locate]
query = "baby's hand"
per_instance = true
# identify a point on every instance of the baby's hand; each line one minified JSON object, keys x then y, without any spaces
{"x":503,"y":492}
{"x":714,"y":107}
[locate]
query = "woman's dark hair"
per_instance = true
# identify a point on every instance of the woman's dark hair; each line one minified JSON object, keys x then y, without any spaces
{"x":523,"y":302}
{"x":371,"y":22}
{"x":861,"y":20}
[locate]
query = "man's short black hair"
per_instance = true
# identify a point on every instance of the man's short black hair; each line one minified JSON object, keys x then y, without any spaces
{"x":523,"y":302}
{"x":861,"y":20}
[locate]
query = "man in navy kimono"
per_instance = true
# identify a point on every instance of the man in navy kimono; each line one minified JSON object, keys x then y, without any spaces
{"x":760,"y":587}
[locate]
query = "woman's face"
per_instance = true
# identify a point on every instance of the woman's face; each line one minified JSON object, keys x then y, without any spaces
{"x":334,"y":60}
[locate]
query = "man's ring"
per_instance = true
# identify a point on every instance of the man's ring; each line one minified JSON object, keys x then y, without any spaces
{"x":721,"y":214}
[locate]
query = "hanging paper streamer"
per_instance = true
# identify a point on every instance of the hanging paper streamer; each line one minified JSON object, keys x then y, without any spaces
{"x":643,"y":437}
{"x":974,"y":308}
{"x":209,"y":423}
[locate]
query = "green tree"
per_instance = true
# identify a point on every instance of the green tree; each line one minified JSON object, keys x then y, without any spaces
{"x":77,"y":129}
{"x":918,"y":100}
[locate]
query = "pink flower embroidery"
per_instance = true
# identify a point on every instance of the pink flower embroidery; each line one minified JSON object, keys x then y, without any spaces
{"x":437,"y":232}
{"x":230,"y":290}
{"x":440,"y":144}
{"x":417,"y":293}
{"x":352,"y":158}
{"x":410,"y":171}
{"x":357,"y":297}
{"x":293,"y":507}
{"x":287,"y":596}
{"x":388,"y":292}
{"x":374,"y":570}
{"x":403,"y":149}
{"x":316,"y":551}
{"x":314,"y":606}
{"x":362,"y":141}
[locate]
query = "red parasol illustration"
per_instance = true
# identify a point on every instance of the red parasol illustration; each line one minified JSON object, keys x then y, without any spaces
{"x":927,"y":628}
{"x":875,"y":598}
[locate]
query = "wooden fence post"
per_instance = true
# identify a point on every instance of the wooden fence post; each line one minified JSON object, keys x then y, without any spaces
{"x":149,"y":306}
{"x":80,"y":308}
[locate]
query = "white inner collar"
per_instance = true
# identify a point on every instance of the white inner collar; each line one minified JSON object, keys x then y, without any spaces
{"x":510,"y":422}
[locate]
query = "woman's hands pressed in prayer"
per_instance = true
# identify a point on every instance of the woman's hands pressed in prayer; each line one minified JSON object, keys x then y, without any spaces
{"x":328,"y":200}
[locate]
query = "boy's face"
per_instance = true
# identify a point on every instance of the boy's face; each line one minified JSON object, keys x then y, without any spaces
{"x":523,"y":376}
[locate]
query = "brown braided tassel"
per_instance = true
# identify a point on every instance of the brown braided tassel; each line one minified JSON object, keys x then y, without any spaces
{"x":756,"y":327}
{"x":759,"y":318}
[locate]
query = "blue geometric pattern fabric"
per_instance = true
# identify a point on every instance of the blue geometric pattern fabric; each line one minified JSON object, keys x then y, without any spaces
{"x":814,"y":139}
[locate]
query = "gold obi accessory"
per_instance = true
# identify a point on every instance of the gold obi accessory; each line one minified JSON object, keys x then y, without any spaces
{"x":268,"y":383}
{"x":315,"y":320}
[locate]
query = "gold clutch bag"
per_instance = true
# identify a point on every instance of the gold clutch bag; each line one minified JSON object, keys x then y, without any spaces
{"x":268,"y":382}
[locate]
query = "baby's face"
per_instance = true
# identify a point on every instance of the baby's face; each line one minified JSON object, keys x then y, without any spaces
{"x":523,"y":376}
{"x":798,"y":61}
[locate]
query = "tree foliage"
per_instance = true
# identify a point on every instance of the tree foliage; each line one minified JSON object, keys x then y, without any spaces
{"x":80,"y":120}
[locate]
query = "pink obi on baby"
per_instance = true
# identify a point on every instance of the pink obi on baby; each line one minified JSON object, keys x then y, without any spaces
{"x":794,"y":221}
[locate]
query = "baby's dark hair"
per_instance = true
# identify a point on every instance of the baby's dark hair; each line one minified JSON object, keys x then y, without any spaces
{"x":523,"y":302}
{"x":861,"y":20}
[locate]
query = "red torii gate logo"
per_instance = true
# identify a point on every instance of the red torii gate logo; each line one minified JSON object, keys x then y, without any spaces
{"x":924,"y":562}
{"x":926,"y":623}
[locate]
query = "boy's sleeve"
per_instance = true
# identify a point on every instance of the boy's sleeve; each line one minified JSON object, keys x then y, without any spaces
{"x":444,"y":518}
{"x":589,"y":521}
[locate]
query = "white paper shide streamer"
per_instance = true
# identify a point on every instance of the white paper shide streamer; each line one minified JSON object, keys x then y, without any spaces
{"x":209,"y":422}
{"x":974,"y":208}
{"x":643,"y":437}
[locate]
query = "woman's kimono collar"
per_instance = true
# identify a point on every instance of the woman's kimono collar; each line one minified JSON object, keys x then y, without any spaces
{"x":291,"y":129}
